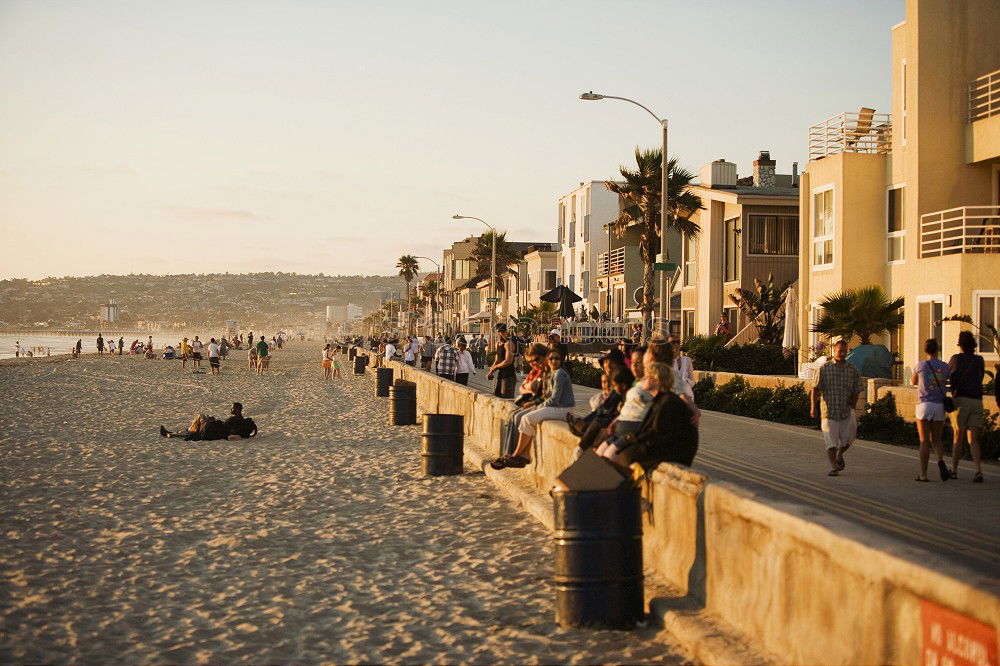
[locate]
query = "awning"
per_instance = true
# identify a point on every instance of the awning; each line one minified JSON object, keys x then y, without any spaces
{"x":479,"y":316}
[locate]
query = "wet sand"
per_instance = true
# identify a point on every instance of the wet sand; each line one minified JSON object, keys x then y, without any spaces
{"x":317,"y":541}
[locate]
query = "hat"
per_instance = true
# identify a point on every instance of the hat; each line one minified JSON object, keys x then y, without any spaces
{"x":555,"y":331}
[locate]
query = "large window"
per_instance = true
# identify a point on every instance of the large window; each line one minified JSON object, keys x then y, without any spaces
{"x":585,"y":284}
{"x":773,"y":234}
{"x":988,"y":306}
{"x":930,"y":310}
{"x":690,"y":260}
{"x":822,"y":211}
{"x":688,"y":323}
{"x":733,"y":249}
{"x":550,"y":280}
{"x":894,"y":223}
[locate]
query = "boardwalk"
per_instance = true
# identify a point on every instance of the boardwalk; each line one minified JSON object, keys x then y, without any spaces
{"x":317,"y":541}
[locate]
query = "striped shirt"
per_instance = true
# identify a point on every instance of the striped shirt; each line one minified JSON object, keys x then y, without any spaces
{"x":837,"y":382}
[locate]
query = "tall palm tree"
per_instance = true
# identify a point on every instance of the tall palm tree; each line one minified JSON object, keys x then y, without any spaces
{"x":408,"y":268}
{"x":863,"y":312}
{"x":506,"y":256}
{"x":639,"y":194}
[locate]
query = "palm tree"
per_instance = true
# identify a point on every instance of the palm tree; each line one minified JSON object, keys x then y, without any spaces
{"x":408,"y":268}
{"x":863,"y":312}
{"x":640,"y":204}
{"x":506,"y":256}
{"x":762,"y":305}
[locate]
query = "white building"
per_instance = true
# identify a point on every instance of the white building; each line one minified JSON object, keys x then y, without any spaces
{"x":109,"y":311}
{"x":344,"y":313}
{"x":583,"y":213}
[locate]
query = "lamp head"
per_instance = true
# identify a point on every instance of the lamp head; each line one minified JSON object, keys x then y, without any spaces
{"x":590,"y":96}
{"x":458,"y":217}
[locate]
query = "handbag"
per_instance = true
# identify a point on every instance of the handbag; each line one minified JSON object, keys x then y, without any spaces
{"x":949,"y":403}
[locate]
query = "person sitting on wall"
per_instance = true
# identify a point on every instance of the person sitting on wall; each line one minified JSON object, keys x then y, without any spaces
{"x":667,"y":432}
{"x":609,"y":410}
{"x":530,"y":394}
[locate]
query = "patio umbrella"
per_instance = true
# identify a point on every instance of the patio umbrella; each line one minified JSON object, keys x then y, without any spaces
{"x":565,"y":298}
{"x":791,"y":337}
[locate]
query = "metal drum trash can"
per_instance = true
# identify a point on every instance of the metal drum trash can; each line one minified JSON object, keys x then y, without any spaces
{"x":598,"y":554}
{"x":359,"y":364}
{"x":402,"y":403}
{"x":351,"y":353}
{"x":383,"y":380}
{"x":441,"y":446}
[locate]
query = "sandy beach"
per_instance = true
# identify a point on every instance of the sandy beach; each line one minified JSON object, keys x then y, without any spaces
{"x":317,"y":541}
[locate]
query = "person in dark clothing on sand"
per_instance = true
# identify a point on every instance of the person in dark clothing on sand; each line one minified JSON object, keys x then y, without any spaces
{"x":207,"y":428}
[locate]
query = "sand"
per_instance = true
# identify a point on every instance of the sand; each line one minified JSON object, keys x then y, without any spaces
{"x":317,"y":541}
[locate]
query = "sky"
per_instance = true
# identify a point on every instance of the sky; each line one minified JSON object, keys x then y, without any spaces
{"x":326,"y":136}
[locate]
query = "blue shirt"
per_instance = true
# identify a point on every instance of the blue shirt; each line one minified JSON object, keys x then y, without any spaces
{"x":932,"y":378}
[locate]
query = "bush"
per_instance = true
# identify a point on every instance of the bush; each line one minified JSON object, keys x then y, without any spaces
{"x":708,"y":352}
{"x":785,"y":404}
{"x":585,"y":374}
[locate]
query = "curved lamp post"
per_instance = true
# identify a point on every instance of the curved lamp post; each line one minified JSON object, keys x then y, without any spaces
{"x":493,"y":270}
{"x":664,"y":310}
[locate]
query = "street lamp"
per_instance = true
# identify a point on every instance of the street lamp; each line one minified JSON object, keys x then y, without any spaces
{"x":664,"y":311}
{"x":437,"y":289}
{"x":493,"y":270}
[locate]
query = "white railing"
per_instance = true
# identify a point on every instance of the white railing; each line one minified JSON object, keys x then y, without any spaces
{"x":610,"y":263}
{"x":851,"y":132}
{"x":963,"y":230}
{"x":984,"y":96}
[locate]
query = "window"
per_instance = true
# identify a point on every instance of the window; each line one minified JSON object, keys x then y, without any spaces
{"x":929,"y":313}
{"x":571,"y":241}
{"x":585,"y":284}
{"x":815,"y":311}
{"x":773,"y":234}
{"x":550,"y":280}
{"x":894,"y":223}
{"x":688,"y":323}
{"x":988,"y":307}
{"x":690,"y":260}
{"x":562,"y":220}
{"x":572,"y":282}
{"x":903,"y":104}
{"x":733,"y":317}
{"x":823,"y":228}
{"x":732,"y":249}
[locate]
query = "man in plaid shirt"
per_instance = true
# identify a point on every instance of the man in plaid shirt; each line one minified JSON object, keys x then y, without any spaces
{"x":446,"y":360}
{"x":839,"y":384}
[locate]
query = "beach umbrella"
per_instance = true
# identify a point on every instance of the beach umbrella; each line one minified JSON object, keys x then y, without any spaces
{"x":791,"y":337}
{"x":565,"y":297}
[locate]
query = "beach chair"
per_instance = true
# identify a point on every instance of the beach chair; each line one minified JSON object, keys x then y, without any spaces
{"x":862,"y":128}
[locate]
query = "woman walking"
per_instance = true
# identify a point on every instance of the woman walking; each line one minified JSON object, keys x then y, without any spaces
{"x":930,"y":377}
{"x":966,"y":374}
{"x":336,"y":361}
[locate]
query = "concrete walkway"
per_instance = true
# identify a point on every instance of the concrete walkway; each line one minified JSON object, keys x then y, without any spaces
{"x":955,"y":520}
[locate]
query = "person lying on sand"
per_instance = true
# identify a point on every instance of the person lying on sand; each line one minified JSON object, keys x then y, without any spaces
{"x":207,"y":428}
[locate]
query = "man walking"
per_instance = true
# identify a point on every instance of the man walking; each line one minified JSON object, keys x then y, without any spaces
{"x":427,"y":353}
{"x":838,"y":385}
{"x":262,"y":355}
{"x":121,"y":345}
{"x":213,"y":356}
{"x":196,"y":346}
{"x":446,"y":360}
{"x":100,"y":344}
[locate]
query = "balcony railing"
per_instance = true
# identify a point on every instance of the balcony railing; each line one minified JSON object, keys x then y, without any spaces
{"x":965,"y":230}
{"x":984,"y":96}
{"x":862,"y":132}
{"x":610,"y":263}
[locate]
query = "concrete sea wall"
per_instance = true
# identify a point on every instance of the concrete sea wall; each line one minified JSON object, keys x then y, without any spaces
{"x":804,"y":587}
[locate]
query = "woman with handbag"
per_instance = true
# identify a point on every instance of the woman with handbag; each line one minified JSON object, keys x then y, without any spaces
{"x":967,"y":374}
{"x":930,"y":376}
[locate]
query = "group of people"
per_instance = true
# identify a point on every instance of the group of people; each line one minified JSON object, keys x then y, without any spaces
{"x":645,"y":413}
{"x":208,"y":428}
{"x":331,"y":361}
{"x":449,"y":358}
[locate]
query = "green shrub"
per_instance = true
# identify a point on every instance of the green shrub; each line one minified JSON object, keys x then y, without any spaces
{"x":585,"y":374}
{"x":708,"y":352}
{"x":787,"y":404}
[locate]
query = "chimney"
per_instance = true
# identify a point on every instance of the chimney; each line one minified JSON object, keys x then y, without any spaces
{"x":719,"y":173}
{"x":763,"y":170}
{"x":795,"y":174}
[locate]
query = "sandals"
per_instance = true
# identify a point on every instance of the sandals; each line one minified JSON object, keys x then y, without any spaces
{"x":921,"y":479}
{"x":953,"y":474}
{"x":945,"y":474}
{"x":978,"y":478}
{"x":499,"y":463}
{"x":833,"y":472}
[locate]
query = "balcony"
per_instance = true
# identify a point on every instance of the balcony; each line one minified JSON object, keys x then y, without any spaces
{"x":610,"y":263}
{"x":862,"y":132}
{"x":965,"y":230}
{"x":982,"y":134}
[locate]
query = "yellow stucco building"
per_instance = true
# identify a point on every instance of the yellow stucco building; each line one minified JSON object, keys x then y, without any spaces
{"x":910,"y":199}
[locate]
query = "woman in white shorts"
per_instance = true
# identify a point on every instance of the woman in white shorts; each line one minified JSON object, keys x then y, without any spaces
{"x":930,"y":377}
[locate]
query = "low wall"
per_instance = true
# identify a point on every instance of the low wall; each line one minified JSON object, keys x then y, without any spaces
{"x":807,"y":587}
{"x":906,"y":399}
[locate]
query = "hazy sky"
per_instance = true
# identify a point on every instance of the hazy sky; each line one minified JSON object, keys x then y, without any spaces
{"x":201,"y":136}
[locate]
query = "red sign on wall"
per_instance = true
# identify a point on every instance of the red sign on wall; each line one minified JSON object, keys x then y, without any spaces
{"x":953,"y":639}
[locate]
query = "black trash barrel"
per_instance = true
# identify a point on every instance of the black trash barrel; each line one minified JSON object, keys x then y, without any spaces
{"x":441,"y":449}
{"x":383,"y":380}
{"x":598,"y":573}
{"x":351,"y":353}
{"x":359,"y":364}
{"x":402,"y":403}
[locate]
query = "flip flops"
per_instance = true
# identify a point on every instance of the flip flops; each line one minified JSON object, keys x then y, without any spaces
{"x":499,"y":463}
{"x":921,"y":479}
{"x":833,"y":472}
{"x":978,"y":478}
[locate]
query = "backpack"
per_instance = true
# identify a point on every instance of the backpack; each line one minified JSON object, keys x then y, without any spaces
{"x":249,"y":429}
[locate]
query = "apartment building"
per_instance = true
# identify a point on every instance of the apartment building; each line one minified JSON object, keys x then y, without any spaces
{"x":749,"y":229}
{"x":458,"y":268}
{"x":583,"y":212}
{"x":910,"y":198}
{"x":535,"y":274}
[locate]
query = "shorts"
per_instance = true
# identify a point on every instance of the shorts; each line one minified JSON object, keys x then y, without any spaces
{"x":969,"y":413}
{"x":930,"y":411}
{"x":505,"y":384}
{"x":327,"y":363}
{"x":196,"y":356}
{"x":840,"y":434}
{"x":213,"y":361}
